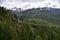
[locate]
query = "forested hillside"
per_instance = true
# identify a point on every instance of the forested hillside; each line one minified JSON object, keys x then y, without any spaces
{"x":41,"y":14}
{"x":12,"y":29}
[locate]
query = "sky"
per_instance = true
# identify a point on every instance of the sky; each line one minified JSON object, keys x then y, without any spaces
{"x":27,"y":4}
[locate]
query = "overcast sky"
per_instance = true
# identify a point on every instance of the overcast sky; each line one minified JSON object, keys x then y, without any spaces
{"x":25,"y":4}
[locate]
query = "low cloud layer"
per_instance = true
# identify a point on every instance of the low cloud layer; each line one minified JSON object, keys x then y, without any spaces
{"x":26,"y":4}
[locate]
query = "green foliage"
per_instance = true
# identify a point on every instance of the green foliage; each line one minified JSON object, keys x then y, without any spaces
{"x":11,"y":30}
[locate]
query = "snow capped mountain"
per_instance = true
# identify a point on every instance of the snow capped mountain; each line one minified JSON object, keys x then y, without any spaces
{"x":16,"y":9}
{"x":54,"y":11}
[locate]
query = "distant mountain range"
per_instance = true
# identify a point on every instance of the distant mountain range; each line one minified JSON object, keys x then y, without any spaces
{"x":48,"y":14}
{"x":51,"y":10}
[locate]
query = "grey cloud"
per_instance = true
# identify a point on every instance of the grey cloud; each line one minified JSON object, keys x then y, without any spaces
{"x":1,"y":1}
{"x":32,"y":0}
{"x":26,"y":0}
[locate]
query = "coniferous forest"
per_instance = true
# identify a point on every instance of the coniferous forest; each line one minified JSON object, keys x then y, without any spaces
{"x":13,"y":27}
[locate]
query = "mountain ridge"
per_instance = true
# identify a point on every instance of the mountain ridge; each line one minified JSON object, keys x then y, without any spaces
{"x":48,"y":14}
{"x":49,"y":9}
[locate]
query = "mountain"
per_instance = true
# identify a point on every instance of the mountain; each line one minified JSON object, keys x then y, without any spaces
{"x":52,"y":10}
{"x":48,"y":14}
{"x":55,"y":11}
{"x":32,"y":29}
{"x":16,"y":9}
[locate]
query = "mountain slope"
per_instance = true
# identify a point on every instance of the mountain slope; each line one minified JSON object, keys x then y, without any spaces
{"x":45,"y":14}
{"x":12,"y":30}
